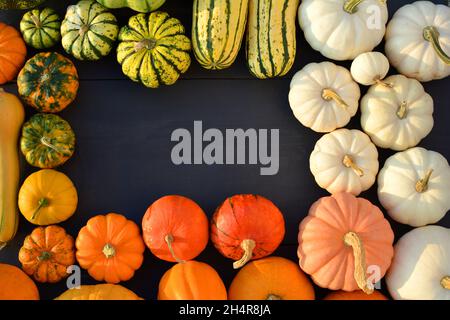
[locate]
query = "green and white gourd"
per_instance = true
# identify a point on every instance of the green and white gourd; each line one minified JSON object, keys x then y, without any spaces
{"x":41,"y":28}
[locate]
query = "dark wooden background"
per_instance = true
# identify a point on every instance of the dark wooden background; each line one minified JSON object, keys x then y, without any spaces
{"x":122,"y":161}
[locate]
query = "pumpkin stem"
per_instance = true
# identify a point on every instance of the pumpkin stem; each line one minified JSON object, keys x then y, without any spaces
{"x":431,"y":34}
{"x":351,"y":239}
{"x":37,"y":22}
{"x":329,"y":94}
{"x":109,"y":251}
{"x":422,"y":184}
{"x":84,"y":29}
{"x":42,"y":203}
{"x":45,"y":255}
{"x":445,"y":282}
{"x":169,"y":240}
{"x":402,"y":110}
{"x":46,"y":142}
{"x":148,"y":44}
{"x":349,"y":163}
{"x":247,"y":245}
{"x":273,"y":297}
{"x":351,"y":6}
{"x":382,"y":83}
{"x":2,"y":245}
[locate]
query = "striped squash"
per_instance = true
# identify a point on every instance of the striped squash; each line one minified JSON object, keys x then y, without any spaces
{"x":89,"y":30}
{"x":19,"y":4}
{"x":41,"y":28}
{"x":217,"y":31}
{"x":271,"y":42}
{"x":136,"y":5}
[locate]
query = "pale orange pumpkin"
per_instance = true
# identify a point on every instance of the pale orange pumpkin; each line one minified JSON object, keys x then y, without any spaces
{"x":16,"y":285}
{"x":345,"y":243}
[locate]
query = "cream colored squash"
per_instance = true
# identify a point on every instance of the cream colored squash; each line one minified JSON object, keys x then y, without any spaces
{"x":421,"y":266}
{"x":397,"y":116}
{"x":418,"y":41}
{"x":323,"y":96}
{"x":344,"y":161}
{"x":370,"y":68}
{"x":343,"y":29}
{"x":414,"y":187}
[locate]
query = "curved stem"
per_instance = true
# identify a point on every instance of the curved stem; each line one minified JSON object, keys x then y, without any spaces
{"x":402,"y":110}
{"x":2,"y":245}
{"x":349,"y":163}
{"x":273,"y":297}
{"x":46,"y":142}
{"x":445,"y":282}
{"x":329,"y":94}
{"x":431,"y":34}
{"x":42,"y":203}
{"x":169,"y":240}
{"x":37,"y":22}
{"x":351,"y":6}
{"x":382,"y":83}
{"x":422,"y":184}
{"x":351,"y":239}
{"x":247,"y":245}
{"x":109,"y":251}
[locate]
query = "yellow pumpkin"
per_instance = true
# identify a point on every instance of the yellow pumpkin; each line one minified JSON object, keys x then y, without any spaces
{"x":47,"y":197}
{"x":99,"y":292}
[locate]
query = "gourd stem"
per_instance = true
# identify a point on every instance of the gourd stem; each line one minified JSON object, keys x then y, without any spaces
{"x":37,"y":22}
{"x":84,"y":29}
{"x":402,"y":110}
{"x":422,"y":184}
{"x":351,"y":6}
{"x":431,"y":34}
{"x":445,"y":282}
{"x":2,"y":245}
{"x":148,"y":44}
{"x":169,"y":240}
{"x":247,"y":245}
{"x":329,"y":94}
{"x":349,"y":163}
{"x":45,"y":141}
{"x":382,"y":83}
{"x":42,"y":203}
{"x":273,"y":297}
{"x":45,"y":255}
{"x":351,"y":239}
{"x":109,"y":251}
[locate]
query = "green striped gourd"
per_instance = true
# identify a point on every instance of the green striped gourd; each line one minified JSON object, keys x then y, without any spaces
{"x":136,"y":5}
{"x":41,"y":28}
{"x":19,"y":4}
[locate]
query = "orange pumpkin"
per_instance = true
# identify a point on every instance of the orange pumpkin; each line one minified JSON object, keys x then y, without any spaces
{"x":345,"y":243}
{"x":355,"y":295}
{"x":175,"y":229}
{"x":191,"y":280}
{"x":110,"y":248}
{"x":272,"y":278}
{"x":12,"y":53}
{"x":16,"y":285}
{"x":46,"y":254}
{"x":247,"y":227}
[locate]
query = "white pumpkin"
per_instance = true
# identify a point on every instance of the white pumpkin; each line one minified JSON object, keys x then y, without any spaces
{"x":421,"y":266}
{"x":370,"y":68}
{"x":323,"y":96}
{"x":397,"y":117}
{"x":344,"y":161}
{"x":342,"y":29}
{"x":414,"y":187}
{"x":418,"y":41}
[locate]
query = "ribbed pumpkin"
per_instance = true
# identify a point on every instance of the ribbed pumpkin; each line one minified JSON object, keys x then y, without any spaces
{"x":47,"y":141}
{"x":88,"y":30}
{"x":154,"y":49}
{"x":175,"y":228}
{"x":355,"y":295}
{"x":345,"y":243}
{"x":110,"y":248}
{"x":41,"y":28}
{"x":16,"y":285}
{"x":136,"y":5}
{"x":247,"y":227}
{"x":191,"y":280}
{"x":12,"y":53}
{"x":48,"y":82}
{"x":99,"y":292}
{"x":47,"y":253}
{"x":19,"y":4}
{"x":272,"y":278}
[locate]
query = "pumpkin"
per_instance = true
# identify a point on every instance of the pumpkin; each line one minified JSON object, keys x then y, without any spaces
{"x":418,"y":41}
{"x":175,"y":228}
{"x":47,"y":197}
{"x":47,"y":253}
{"x":191,"y":280}
{"x":370,"y":68}
{"x":154,"y":49}
{"x":16,"y":285}
{"x":345,"y":243}
{"x":341,"y":30}
{"x":246,"y":227}
{"x":47,"y":141}
{"x":110,"y":248}
{"x":12,"y":53}
{"x":12,"y":117}
{"x":136,"y":5}
{"x":88,"y":30}
{"x":99,"y":292}
{"x":344,"y":161}
{"x":41,"y":28}
{"x":48,"y":82}
{"x":398,"y":116}
{"x":272,"y":278}
{"x":413,"y":187}
{"x":217,"y":31}
{"x":323,"y":96}
{"x":271,"y":37}
{"x":421,"y":266}
{"x":19,"y":4}
{"x":355,"y":295}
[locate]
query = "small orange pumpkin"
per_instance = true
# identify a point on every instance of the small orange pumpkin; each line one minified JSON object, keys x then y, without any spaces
{"x":345,"y":243}
{"x":355,"y":295}
{"x":47,"y":253}
{"x":110,"y":248}
{"x":12,"y":53}
{"x":16,"y":285}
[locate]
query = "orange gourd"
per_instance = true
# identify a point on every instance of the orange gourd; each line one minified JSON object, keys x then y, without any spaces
{"x":16,"y":285}
{"x":12,"y":53}
{"x":110,"y":248}
{"x":355,"y":295}
{"x":47,"y":253}
{"x":175,"y":229}
{"x":272,"y":278}
{"x":191,"y":280}
{"x":345,"y":243}
{"x":247,"y":227}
